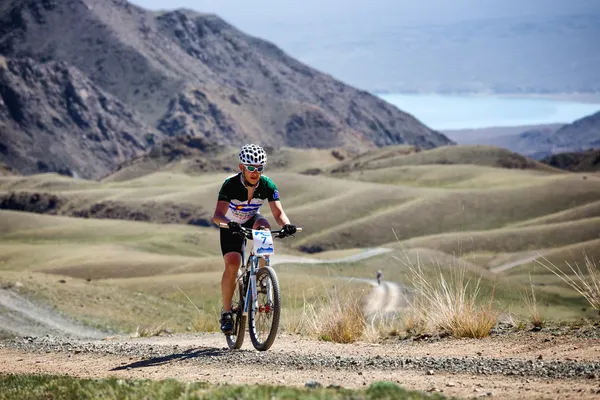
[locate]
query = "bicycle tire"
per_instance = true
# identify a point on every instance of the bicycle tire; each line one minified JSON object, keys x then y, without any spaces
{"x":272,"y":312}
{"x":236,"y":339}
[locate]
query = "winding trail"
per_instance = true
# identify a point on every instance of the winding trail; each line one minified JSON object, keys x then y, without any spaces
{"x":385,"y":298}
{"x":366,"y":253}
{"x":23,"y":317}
{"x":516,"y":263}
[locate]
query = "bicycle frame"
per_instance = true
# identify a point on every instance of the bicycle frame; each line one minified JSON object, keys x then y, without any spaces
{"x":252,"y":264}
{"x":251,"y":290}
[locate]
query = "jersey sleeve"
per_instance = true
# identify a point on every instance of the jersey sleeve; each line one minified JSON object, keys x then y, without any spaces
{"x":272,"y":192}
{"x":223,"y":195}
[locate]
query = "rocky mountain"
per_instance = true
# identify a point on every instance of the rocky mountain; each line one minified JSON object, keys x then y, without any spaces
{"x":543,"y":141}
{"x":6,"y":171}
{"x":584,"y":161}
{"x":581,"y":134}
{"x":53,"y":118}
{"x":187,"y":73}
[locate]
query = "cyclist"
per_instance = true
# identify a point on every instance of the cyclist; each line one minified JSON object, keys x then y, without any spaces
{"x":238,"y":204}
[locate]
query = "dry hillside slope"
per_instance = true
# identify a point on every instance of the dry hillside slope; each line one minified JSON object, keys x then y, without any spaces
{"x":481,"y":155}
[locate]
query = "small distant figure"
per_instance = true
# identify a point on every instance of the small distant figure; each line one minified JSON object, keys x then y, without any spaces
{"x":379,"y":276}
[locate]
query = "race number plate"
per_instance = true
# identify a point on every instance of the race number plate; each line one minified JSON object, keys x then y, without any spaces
{"x":263,"y":242}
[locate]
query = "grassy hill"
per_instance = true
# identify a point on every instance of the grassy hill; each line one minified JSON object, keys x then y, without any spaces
{"x":138,"y":236}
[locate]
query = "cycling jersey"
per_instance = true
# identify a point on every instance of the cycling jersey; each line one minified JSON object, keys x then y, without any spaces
{"x":234,"y":191}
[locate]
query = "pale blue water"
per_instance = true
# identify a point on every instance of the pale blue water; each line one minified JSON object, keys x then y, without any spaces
{"x":443,"y":112}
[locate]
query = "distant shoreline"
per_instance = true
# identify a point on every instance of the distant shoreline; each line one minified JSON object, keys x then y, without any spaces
{"x":444,"y":112}
{"x":589,"y":98}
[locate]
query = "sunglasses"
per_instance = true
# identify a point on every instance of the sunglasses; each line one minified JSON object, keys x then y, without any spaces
{"x":252,"y":168}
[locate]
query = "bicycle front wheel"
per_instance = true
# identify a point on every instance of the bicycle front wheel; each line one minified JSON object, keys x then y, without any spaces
{"x":236,"y":339}
{"x":264,"y":320}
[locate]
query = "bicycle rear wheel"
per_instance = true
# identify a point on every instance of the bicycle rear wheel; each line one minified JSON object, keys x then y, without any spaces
{"x":236,"y":339}
{"x":264,"y":321}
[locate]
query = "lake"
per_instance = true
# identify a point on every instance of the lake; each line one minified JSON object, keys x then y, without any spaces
{"x":444,"y":112}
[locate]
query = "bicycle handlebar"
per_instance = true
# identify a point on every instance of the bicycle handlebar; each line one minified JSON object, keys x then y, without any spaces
{"x":248,"y":232}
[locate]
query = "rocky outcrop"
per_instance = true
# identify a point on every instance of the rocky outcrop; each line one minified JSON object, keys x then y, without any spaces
{"x":584,"y":161}
{"x":53,"y":118}
{"x":52,"y":204}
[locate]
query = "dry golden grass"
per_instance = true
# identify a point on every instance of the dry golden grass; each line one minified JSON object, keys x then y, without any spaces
{"x":414,"y":321}
{"x":586,"y":283}
{"x":559,"y":256}
{"x":590,"y":210}
{"x":531,"y":302}
{"x":286,"y":159}
{"x":361,"y":208}
{"x":455,"y":177}
{"x":339,"y":319}
{"x":433,"y":211}
{"x":464,"y":154}
{"x":509,"y":240}
{"x":450,"y":301}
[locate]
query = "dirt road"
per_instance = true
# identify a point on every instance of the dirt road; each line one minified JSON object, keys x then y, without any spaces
{"x":553,"y":364}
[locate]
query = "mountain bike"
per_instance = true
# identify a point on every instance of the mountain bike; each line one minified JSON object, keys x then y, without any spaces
{"x":258,"y":296}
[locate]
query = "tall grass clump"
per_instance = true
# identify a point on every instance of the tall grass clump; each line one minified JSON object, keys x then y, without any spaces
{"x":206,"y":321}
{"x":535,"y":316}
{"x":382,"y":325}
{"x":338,"y":318}
{"x":587,"y":285}
{"x":451,"y":302}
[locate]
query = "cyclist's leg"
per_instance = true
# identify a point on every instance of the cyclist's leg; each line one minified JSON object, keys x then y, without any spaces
{"x":260,"y":221}
{"x":233,"y":261}
{"x":232,"y":247}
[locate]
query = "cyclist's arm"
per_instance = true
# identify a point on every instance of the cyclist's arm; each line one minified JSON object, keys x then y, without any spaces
{"x":278,"y":213}
{"x":220,"y":211}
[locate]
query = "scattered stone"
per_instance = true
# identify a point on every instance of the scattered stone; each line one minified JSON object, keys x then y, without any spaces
{"x":430,"y":372}
{"x":312,"y":384}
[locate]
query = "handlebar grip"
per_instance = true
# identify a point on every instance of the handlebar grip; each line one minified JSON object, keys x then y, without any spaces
{"x":224,"y":225}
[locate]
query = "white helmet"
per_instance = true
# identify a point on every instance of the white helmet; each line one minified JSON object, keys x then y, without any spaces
{"x":253,"y":154}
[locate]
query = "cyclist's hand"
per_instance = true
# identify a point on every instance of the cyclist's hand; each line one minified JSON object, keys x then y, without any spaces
{"x":289,"y":229}
{"x":234,"y":226}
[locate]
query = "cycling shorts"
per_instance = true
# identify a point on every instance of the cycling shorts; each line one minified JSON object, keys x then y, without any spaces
{"x":236,"y":243}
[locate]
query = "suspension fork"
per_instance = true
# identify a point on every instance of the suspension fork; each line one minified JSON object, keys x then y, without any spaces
{"x":251,"y":292}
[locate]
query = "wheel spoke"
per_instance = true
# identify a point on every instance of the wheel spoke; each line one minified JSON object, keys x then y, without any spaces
{"x":264,"y":320}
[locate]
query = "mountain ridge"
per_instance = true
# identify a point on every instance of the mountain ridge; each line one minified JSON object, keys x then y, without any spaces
{"x":192,"y":73}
